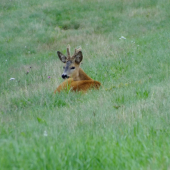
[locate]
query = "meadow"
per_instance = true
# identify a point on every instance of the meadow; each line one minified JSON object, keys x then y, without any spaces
{"x":123,"y":126}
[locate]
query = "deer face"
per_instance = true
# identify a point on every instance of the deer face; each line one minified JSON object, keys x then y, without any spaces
{"x":72,"y":64}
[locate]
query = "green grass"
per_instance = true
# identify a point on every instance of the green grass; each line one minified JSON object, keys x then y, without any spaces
{"x":124,"y":125}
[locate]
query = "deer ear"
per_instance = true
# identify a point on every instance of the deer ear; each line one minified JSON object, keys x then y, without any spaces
{"x":78,"y":57}
{"x":62,"y":57}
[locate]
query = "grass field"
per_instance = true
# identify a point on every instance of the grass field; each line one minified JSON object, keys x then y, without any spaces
{"x":125,"y":125}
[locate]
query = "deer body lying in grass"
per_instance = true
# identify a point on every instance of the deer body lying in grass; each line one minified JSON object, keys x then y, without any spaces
{"x":76,"y":78}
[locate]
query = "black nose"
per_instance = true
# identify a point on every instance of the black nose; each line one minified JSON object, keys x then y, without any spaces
{"x":64,"y":76}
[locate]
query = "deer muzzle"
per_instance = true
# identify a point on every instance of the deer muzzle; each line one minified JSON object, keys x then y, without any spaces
{"x":64,"y":76}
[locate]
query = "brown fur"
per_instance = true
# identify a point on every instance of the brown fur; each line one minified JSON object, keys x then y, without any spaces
{"x":81,"y":85}
{"x":79,"y":80}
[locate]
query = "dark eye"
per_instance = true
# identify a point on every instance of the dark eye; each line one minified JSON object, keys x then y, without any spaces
{"x":64,"y":67}
{"x":72,"y":67}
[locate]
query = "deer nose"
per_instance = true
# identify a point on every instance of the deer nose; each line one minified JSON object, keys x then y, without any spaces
{"x":64,"y":76}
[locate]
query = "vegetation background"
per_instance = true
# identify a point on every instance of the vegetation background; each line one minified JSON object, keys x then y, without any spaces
{"x":124,"y":125}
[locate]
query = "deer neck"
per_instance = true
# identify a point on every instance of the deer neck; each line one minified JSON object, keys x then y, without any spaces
{"x":81,"y":75}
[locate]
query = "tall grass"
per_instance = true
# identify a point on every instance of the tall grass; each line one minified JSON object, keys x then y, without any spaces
{"x":124,"y":125}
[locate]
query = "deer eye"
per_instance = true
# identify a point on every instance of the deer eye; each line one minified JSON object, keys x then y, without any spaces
{"x":72,"y":67}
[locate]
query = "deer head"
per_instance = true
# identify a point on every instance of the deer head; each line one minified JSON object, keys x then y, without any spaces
{"x":72,"y":64}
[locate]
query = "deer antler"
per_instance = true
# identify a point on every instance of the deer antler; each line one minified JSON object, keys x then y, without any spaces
{"x":68,"y":51}
{"x":77,"y":50}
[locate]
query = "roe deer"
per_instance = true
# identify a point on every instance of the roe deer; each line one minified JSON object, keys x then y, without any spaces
{"x":77,"y":79}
